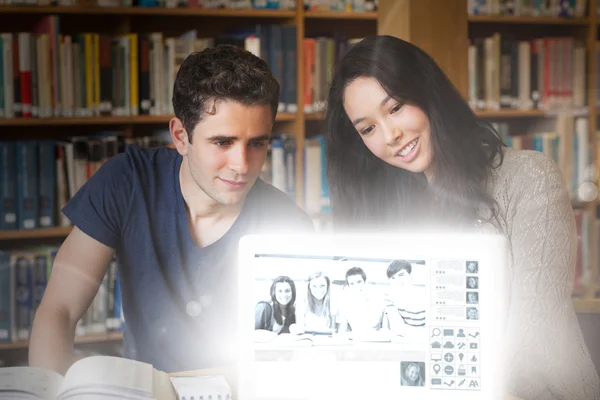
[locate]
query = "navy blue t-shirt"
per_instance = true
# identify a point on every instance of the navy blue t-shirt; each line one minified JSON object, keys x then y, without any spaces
{"x":134,"y":205}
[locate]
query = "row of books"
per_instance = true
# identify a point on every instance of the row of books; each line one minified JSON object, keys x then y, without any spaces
{"x":543,"y":73}
{"x":321,"y":55}
{"x":534,"y":8}
{"x":47,"y":74}
{"x":38,"y":177}
{"x":320,"y":5}
{"x":24,"y":275}
{"x":280,"y":171}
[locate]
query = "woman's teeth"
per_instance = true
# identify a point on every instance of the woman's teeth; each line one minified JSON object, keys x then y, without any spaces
{"x":408,"y":147}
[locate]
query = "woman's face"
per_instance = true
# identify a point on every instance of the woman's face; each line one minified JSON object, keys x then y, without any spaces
{"x":412,"y":373}
{"x":318,"y":287}
{"x":283,"y":293}
{"x":397,"y":133}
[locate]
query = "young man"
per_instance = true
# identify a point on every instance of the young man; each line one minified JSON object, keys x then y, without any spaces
{"x":361,"y":312}
{"x":174,"y":218}
{"x":406,"y":302}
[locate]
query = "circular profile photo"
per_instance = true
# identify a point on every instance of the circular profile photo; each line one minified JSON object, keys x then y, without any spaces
{"x":472,"y":267}
{"x":472,"y":313}
{"x":472,"y":298}
{"x":412,"y":373}
{"x":472,"y":282}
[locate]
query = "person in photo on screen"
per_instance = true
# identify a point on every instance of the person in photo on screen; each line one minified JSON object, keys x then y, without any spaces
{"x":472,"y":267}
{"x":361,"y":311}
{"x":472,"y":298}
{"x":472,"y":282}
{"x":412,"y":374}
{"x":406,"y":303}
{"x":314,"y":313}
{"x":472,"y":313}
{"x":405,"y":152}
{"x":279,"y":313}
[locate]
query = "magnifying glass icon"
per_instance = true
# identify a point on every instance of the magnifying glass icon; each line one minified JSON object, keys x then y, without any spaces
{"x":435,"y":332}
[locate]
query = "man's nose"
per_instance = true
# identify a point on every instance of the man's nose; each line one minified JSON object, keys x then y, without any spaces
{"x":238,"y":160}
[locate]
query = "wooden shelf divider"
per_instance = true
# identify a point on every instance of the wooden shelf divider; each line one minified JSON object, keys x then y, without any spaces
{"x":509,"y":19}
{"x":148,"y":11}
{"x":367,"y":15}
{"x":109,"y":120}
{"x":42,"y":233}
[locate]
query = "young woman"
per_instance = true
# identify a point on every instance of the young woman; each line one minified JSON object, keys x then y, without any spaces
{"x":278,"y":314}
{"x":405,"y":150}
{"x":315,"y":314}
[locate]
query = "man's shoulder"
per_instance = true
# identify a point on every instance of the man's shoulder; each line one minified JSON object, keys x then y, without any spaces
{"x":274,"y":205}
{"x":149,"y":157}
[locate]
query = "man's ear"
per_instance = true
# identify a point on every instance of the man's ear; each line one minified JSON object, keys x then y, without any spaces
{"x":179,"y":136}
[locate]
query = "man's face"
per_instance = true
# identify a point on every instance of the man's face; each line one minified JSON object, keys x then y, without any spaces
{"x":228,"y":150}
{"x":356,"y":283}
{"x":400,"y":278}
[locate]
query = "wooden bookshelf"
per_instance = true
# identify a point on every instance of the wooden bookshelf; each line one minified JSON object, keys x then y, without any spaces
{"x":584,"y":29}
{"x":26,"y":234}
{"x":591,"y":306}
{"x":147,"y":11}
{"x":510,"y":113}
{"x":484,"y":19}
{"x":87,"y":339}
{"x":109,"y":120}
{"x":341,"y":15}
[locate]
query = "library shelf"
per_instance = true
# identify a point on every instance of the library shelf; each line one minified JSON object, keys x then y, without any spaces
{"x":149,"y":11}
{"x":506,"y":113}
{"x":510,"y":113}
{"x":512,"y":19}
{"x":349,"y":15}
{"x":86,"y":339}
{"x":316,"y":116}
{"x":42,"y":233}
{"x":109,"y":120}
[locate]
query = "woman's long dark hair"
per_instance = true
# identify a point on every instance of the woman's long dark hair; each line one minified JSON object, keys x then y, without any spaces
{"x":365,"y":191}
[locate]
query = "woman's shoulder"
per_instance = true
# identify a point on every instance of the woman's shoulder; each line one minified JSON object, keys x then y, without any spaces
{"x":530,"y":163}
{"x":526,"y":170}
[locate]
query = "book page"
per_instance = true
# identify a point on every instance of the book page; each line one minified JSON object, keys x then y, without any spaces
{"x":162,"y":387}
{"x":94,"y":372}
{"x":201,"y":387}
{"x":37,"y":381}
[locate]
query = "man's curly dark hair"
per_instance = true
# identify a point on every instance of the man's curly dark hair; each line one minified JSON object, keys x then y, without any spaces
{"x":223,"y":72}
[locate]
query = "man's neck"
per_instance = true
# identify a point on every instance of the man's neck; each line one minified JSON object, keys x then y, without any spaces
{"x":208,"y":220}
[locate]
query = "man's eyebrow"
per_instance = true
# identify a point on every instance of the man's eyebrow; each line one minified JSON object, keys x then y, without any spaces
{"x":260,"y":138}
{"x":224,"y":138}
{"x":383,"y":102}
{"x":221,"y":138}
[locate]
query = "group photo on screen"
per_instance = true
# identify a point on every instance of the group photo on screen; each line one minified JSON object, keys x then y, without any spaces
{"x":340,"y":297}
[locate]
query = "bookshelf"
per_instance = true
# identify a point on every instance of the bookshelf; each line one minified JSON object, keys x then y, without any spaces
{"x":551,"y":26}
{"x":443,"y":34}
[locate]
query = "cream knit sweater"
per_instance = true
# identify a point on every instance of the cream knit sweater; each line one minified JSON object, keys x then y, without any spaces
{"x":547,"y":357}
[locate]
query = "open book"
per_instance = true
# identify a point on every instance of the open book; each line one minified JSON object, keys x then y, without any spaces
{"x":107,"y":377}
